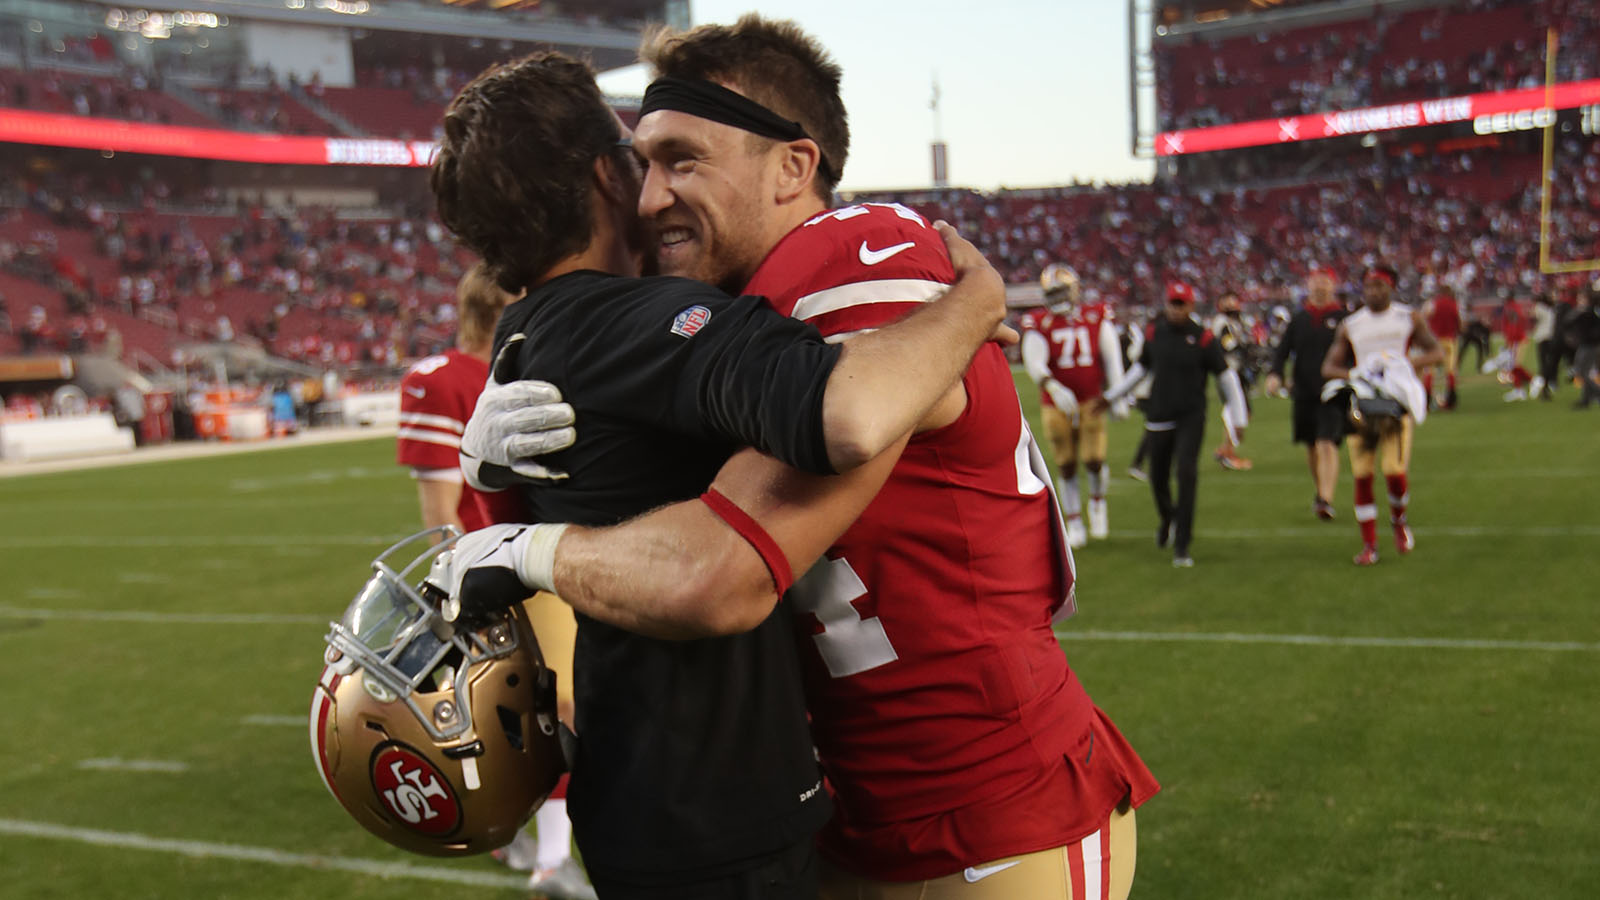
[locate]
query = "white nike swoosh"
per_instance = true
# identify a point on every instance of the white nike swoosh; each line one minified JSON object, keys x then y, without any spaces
{"x":419,"y":393}
{"x":870,"y":257}
{"x":973,"y":875}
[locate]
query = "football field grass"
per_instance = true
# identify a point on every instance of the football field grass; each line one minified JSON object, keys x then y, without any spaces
{"x":1426,"y":728}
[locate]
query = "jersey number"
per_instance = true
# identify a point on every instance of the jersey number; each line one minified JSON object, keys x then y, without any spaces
{"x":848,"y":643}
{"x":1074,"y":341}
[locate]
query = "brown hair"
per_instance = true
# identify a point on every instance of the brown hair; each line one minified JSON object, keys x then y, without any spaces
{"x":479,"y":301}
{"x":773,"y":63}
{"x":513,"y":176}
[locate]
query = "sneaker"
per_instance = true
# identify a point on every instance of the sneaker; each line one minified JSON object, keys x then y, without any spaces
{"x":1233,"y":462}
{"x":1516,"y":394}
{"x":521,"y":855}
{"x":564,"y":882}
{"x":1183,"y":562}
{"x":1138,"y":474}
{"x":1404,"y":540}
{"x":1324,"y":510}
{"x":1076,"y":536}
{"x":1367,"y":557}
{"x":1099,"y":520}
{"x":1163,"y":534}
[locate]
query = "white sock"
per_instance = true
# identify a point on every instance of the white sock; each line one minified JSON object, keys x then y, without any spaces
{"x":1097,"y":483}
{"x":555,"y":834}
{"x":1071,"y":503}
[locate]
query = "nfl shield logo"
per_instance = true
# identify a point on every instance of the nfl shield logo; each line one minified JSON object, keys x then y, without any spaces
{"x":690,"y":321}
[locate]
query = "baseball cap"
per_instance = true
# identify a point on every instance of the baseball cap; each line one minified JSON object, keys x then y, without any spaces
{"x":1177,"y":290}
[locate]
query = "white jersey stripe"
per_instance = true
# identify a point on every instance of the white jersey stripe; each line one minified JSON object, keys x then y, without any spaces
{"x":863,"y":293}
{"x":430,"y":437}
{"x":445,"y":422}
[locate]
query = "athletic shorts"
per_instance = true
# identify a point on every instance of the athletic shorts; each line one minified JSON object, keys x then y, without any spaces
{"x":1317,"y":421}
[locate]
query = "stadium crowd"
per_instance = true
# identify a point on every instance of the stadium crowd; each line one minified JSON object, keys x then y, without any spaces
{"x":1469,"y":46}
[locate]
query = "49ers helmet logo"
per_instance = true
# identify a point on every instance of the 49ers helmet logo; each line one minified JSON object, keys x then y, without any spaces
{"x":414,"y":793}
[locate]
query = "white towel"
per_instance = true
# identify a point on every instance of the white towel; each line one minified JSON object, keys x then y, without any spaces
{"x":1394,"y":376}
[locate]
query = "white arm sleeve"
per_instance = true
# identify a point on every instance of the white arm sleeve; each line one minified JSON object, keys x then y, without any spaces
{"x":1128,"y":383}
{"x":1110,"y":351}
{"x":1036,"y":356}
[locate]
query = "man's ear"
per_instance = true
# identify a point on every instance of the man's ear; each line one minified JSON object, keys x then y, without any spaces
{"x":797,"y":169}
{"x":608,"y":179}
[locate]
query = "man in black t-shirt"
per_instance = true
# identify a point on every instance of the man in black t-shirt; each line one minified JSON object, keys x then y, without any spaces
{"x":1319,"y":426}
{"x":694,"y":773}
{"x":1179,"y":353}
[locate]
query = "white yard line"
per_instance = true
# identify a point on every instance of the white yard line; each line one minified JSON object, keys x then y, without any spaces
{"x":31,"y":542}
{"x":1332,"y":529}
{"x":243,"y":853}
{"x":155,"y":618}
{"x":275,"y":721}
{"x":1324,"y":640}
{"x":194,"y":449}
{"x":118,"y":764}
{"x":1314,"y":640}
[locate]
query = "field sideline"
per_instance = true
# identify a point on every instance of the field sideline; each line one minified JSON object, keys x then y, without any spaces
{"x":1421,"y":729}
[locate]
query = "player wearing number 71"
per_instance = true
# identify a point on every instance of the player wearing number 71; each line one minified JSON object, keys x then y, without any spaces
{"x":961,"y":748}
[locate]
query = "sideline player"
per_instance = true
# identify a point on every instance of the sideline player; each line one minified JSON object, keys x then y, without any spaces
{"x":1319,"y":426}
{"x":1070,"y":350}
{"x":1377,"y":339}
{"x":437,"y":396}
{"x":953,"y":771}
{"x":1234,"y":338}
{"x":694,"y":774}
{"x":1444,"y":320}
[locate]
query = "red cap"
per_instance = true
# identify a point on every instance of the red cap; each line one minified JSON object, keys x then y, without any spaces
{"x":1324,"y":270}
{"x":1177,"y":290}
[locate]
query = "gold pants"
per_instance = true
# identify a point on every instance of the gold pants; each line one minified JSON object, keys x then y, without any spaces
{"x":1068,"y":443}
{"x":1099,"y":867}
{"x":1393,"y":445}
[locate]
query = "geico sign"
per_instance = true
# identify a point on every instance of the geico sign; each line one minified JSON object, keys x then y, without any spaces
{"x":1521,"y":120}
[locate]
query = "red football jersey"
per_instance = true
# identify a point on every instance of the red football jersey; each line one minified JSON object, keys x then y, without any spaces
{"x":947,"y":720}
{"x":1074,"y":340}
{"x":437,"y":396}
{"x":1444,"y":317}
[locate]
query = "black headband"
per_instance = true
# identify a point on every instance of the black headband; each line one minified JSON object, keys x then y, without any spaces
{"x":709,"y":100}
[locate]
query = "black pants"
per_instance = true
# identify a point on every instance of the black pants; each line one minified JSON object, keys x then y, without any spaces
{"x":1549,"y":362}
{"x":791,"y":874}
{"x":1180,"y":443}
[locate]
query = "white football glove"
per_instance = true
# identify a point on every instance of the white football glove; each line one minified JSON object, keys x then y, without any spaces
{"x":1063,"y":397}
{"x":1120,"y":409}
{"x":494,"y":567}
{"x":513,"y":423}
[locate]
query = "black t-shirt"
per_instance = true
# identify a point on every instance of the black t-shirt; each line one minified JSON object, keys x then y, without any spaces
{"x":692,"y":754}
{"x":1308,"y":337}
{"x":1180,"y":356}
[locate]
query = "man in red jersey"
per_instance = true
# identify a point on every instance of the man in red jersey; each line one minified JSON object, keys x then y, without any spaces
{"x":1070,"y":350}
{"x":964,"y":753}
{"x":1444,"y":320}
{"x":436,"y":398}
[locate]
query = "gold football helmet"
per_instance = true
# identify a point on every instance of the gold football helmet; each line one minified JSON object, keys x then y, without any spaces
{"x":1061,"y":286}
{"x":440,"y":741}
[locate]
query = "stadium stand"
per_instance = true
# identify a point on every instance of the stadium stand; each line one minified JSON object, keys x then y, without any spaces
{"x":1463,"y":47}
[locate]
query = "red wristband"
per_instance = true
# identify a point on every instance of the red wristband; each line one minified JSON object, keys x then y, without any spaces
{"x":755,"y":535}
